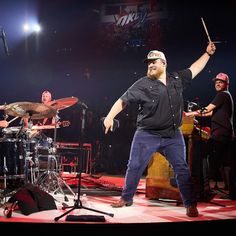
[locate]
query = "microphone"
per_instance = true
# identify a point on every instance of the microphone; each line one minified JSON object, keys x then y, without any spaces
{"x":4,"y":39}
{"x":192,"y":103}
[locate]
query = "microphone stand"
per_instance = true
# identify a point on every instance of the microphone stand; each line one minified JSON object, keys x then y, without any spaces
{"x":78,"y":203}
{"x":4,"y":40}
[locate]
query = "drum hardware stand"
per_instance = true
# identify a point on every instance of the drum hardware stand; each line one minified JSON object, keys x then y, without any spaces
{"x":50,"y":180}
{"x":29,"y":164}
{"x":28,"y":155}
{"x":78,"y":202}
{"x":4,"y":194}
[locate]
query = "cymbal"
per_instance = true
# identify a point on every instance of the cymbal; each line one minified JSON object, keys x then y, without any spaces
{"x":30,"y":110}
{"x":63,"y":103}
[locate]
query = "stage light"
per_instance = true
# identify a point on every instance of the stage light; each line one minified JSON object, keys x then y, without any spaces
{"x":26,"y":27}
{"x":37,"y":28}
{"x":29,"y":28}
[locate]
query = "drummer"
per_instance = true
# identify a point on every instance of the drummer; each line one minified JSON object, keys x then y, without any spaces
{"x":43,"y":137}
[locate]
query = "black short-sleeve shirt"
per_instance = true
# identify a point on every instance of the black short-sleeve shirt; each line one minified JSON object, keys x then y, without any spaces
{"x":160,"y":106}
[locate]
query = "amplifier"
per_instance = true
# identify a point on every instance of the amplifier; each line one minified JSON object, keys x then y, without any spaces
{"x":75,"y":158}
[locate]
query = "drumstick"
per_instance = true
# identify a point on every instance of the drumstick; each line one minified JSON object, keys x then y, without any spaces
{"x":204,"y":25}
{"x":13,"y":119}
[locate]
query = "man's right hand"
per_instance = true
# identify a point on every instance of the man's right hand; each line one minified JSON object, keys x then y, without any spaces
{"x":108,"y":124}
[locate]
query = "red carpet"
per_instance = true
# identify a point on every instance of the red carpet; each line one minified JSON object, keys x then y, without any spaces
{"x":112,"y":183}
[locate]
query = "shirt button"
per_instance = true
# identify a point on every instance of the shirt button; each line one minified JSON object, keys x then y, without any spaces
{"x":153,"y":100}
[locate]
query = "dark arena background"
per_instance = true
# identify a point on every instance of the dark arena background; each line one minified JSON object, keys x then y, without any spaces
{"x":93,"y":51}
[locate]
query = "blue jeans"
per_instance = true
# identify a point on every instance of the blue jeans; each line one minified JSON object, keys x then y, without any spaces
{"x":143,"y":146}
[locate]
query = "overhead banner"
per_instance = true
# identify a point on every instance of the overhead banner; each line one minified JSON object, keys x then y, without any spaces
{"x":133,"y":14}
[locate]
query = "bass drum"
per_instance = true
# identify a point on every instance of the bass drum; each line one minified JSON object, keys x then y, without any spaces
{"x":12,"y":159}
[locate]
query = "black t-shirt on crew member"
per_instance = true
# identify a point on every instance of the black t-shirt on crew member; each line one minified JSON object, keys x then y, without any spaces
{"x":222,"y":117}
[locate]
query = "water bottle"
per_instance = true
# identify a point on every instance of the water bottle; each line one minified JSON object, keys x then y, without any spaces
{"x":84,"y":200}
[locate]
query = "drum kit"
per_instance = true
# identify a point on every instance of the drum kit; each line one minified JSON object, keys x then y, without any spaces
{"x":19,"y":152}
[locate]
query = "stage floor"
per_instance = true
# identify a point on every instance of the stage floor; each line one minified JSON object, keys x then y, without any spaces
{"x":143,"y":212}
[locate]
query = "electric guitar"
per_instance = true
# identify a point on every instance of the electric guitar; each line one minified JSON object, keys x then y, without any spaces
{"x":37,"y":129}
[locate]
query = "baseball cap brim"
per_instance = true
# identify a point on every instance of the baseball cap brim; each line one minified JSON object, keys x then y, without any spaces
{"x":151,"y":59}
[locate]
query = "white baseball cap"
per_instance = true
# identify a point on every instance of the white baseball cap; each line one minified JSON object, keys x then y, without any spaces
{"x":154,"y":55}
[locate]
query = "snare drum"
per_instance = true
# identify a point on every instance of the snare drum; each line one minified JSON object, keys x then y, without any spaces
{"x":12,"y":158}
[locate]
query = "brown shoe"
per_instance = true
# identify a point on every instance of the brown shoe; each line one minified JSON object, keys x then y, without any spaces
{"x":192,"y":211}
{"x":121,"y":203}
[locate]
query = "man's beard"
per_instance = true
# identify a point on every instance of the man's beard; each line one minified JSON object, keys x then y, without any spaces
{"x":157,"y":73}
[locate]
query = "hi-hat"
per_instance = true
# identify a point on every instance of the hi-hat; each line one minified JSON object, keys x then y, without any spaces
{"x":30,"y":110}
{"x":63,"y":103}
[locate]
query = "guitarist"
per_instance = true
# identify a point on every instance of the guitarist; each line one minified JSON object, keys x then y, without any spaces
{"x":43,"y":129}
{"x":44,"y":138}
